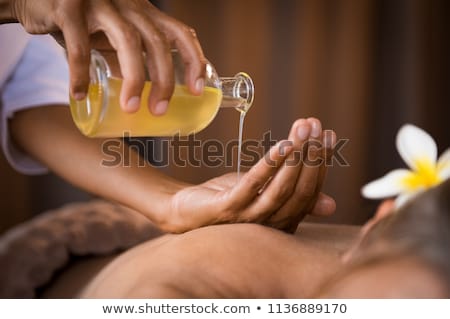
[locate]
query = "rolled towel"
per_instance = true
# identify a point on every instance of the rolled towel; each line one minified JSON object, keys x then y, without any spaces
{"x":32,"y":252}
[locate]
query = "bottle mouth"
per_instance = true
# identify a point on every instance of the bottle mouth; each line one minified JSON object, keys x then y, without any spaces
{"x":244,"y":89}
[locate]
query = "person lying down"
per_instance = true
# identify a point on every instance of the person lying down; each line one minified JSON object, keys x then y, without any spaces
{"x":401,"y":253}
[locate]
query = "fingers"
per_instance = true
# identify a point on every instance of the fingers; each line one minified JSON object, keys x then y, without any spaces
{"x":159,"y":62}
{"x":158,"y":55}
{"x":323,"y":206}
{"x":320,"y":204}
{"x":185,"y":40}
{"x":283,"y":184}
{"x":193,"y":58}
{"x":76,"y":38}
{"x":132,"y":28}
{"x":124,"y":38}
{"x":158,"y":32}
{"x":328,"y":143}
{"x":296,"y":206}
{"x":250,"y":185}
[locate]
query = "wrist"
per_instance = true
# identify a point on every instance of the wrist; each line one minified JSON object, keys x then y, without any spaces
{"x":160,"y":206}
{"x":151,"y":194}
{"x":6,"y":12}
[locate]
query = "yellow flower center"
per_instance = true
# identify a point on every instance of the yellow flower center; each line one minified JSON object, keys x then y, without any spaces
{"x":425,"y":176}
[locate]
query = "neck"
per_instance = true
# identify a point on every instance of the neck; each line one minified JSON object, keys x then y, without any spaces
{"x":322,"y":246}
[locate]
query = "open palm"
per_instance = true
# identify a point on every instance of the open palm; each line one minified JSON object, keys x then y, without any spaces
{"x":278,"y":191}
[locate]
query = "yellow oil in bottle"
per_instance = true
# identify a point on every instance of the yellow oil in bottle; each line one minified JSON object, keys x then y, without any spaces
{"x":100,"y":114}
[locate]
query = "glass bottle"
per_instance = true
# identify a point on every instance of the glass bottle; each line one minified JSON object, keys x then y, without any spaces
{"x":100,"y":115}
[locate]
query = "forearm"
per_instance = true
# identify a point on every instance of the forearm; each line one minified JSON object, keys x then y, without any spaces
{"x":6,"y":12}
{"x":80,"y":160}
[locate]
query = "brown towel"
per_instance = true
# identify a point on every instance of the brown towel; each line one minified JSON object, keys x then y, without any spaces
{"x":32,"y":252}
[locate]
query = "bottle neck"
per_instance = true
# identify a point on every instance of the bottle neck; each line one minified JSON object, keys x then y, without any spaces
{"x":237,"y":92}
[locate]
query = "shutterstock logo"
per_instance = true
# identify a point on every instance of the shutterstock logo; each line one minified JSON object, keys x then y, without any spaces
{"x":188,"y":151}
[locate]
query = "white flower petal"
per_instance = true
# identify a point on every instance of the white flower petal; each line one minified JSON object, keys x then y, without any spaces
{"x":404,"y":198}
{"x":443,"y":165}
{"x":414,"y":144}
{"x":386,"y":186}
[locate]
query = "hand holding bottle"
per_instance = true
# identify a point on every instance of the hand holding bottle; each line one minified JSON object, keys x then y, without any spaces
{"x":124,"y":26}
{"x":99,"y":115}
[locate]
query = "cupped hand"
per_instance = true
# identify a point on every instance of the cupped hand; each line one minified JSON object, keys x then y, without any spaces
{"x":278,"y":191}
{"x":130,"y":27}
{"x":301,"y":180}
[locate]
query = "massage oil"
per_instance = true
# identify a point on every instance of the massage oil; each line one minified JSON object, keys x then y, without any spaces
{"x":100,"y":115}
{"x":186,"y":114}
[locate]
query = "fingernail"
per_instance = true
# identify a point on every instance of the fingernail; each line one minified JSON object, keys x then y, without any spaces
{"x":133,"y":104}
{"x":329,"y":139}
{"x":79,"y":96}
{"x":315,"y":129}
{"x":160,"y":108}
{"x":199,"y":85}
{"x":303,"y":131}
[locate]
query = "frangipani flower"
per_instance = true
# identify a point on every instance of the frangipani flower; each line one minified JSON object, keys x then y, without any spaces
{"x":419,"y":151}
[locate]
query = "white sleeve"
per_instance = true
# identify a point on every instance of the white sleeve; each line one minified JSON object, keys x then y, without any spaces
{"x":40,"y":78}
